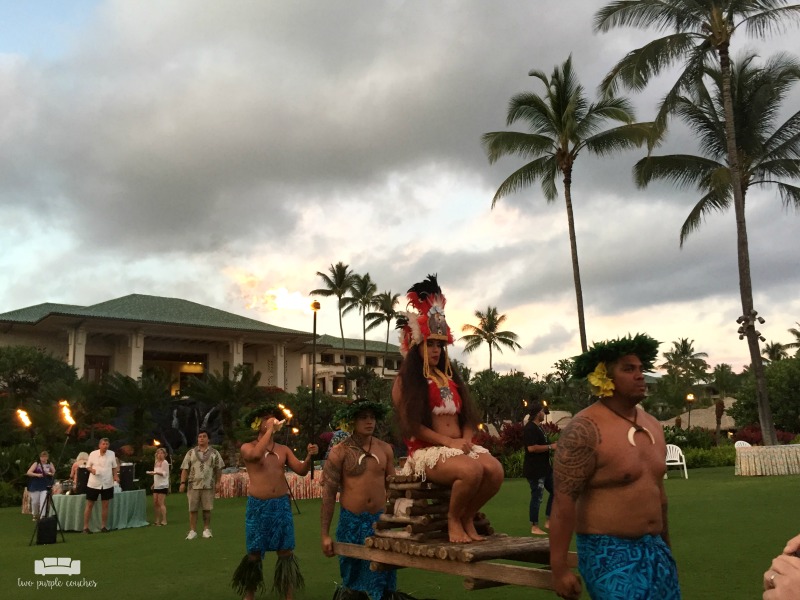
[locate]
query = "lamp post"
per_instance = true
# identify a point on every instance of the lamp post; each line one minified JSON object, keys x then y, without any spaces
{"x":689,"y":401}
{"x":315,"y":306}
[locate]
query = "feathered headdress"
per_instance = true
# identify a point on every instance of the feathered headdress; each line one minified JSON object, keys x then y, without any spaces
{"x":428,"y":322}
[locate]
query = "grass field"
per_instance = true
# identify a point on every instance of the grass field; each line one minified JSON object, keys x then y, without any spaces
{"x":725,"y":531}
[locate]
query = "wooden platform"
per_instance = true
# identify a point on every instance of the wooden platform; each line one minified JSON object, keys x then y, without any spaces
{"x":476,"y":562}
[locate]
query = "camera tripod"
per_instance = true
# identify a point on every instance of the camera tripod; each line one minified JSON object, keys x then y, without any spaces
{"x":44,"y":511}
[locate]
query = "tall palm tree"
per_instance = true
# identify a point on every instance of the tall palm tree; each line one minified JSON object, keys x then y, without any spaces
{"x":724,"y":380}
{"x":362,"y":298}
{"x":337,"y":283}
{"x":385,"y":312}
{"x":766,"y":153}
{"x":562,"y":124}
{"x":686,"y":364}
{"x":796,"y":342}
{"x":701,"y":30}
{"x":488,"y":330}
{"x":774,"y":351}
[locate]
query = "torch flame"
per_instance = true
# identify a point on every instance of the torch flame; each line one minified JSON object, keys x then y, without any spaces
{"x":23,"y":416}
{"x":156,"y":443}
{"x":67,"y":413}
{"x":295,"y":430}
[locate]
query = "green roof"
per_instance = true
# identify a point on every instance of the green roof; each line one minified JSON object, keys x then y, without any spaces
{"x":356,"y":344}
{"x":150,"y":309}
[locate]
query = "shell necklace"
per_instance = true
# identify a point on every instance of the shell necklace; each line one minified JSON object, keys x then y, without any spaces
{"x":271,"y":451}
{"x":356,"y":443}
{"x":635,"y":427}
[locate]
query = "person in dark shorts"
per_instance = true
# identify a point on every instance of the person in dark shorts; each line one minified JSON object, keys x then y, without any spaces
{"x":103,"y":473}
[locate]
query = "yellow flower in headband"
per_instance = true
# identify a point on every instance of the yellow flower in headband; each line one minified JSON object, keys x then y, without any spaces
{"x":346,"y":426}
{"x":602,"y":386}
{"x":255,"y":424}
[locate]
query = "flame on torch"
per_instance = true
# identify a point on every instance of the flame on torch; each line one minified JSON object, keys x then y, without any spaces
{"x":156,"y":443}
{"x":295,"y":430}
{"x":286,"y":412}
{"x":66,"y":413}
{"x":23,"y":416}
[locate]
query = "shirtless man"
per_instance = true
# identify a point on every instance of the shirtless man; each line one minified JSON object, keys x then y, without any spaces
{"x":609,"y":469}
{"x":357,"y":468}
{"x":269,"y":524}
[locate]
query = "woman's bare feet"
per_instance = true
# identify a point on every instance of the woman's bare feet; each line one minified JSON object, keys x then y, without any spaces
{"x":536,"y":531}
{"x":456,"y":531}
{"x":469,"y":529}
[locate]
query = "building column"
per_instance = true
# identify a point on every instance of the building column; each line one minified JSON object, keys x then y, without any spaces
{"x":135,"y":353}
{"x":237,"y":352}
{"x":280,"y":366}
{"x":77,"y":349}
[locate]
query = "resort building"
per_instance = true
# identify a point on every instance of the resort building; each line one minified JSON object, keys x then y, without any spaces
{"x":187,"y":339}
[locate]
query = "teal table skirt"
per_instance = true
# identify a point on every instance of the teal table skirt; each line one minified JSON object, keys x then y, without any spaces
{"x":127,"y":509}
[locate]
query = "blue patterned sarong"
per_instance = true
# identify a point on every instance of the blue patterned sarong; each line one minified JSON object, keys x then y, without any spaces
{"x":269,"y":525}
{"x":616,"y":568}
{"x":354,"y":529}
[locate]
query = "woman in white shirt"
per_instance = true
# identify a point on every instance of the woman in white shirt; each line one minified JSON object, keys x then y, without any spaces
{"x":160,"y":486}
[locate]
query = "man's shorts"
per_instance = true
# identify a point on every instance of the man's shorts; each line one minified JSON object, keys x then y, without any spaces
{"x":200,"y":499}
{"x":105,"y":494}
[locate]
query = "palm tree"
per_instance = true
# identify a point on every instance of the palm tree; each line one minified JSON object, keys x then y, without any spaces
{"x":487,"y":330}
{"x":774,"y":351}
{"x":143,"y":396}
{"x":562,"y":124}
{"x":338,"y":283}
{"x":363,"y":298}
{"x":226,"y":393}
{"x":701,"y":31}
{"x":766,"y":154}
{"x":724,"y":380}
{"x":686,"y":364}
{"x":796,"y":342}
{"x":385,"y":312}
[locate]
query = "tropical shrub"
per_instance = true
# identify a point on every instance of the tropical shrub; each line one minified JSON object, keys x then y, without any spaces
{"x":718,"y":456}
{"x":511,"y":437}
{"x":752,"y":435}
{"x":512,"y":463}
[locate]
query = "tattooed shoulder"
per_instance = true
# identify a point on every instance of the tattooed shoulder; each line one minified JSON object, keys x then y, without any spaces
{"x":576,"y":457}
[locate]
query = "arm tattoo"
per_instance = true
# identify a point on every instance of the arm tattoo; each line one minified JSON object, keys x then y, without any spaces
{"x":332,"y":475}
{"x":576,"y":458}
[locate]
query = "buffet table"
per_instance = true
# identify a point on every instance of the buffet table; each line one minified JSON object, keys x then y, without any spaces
{"x":768,"y":460}
{"x":233,"y":485}
{"x":127,"y":509}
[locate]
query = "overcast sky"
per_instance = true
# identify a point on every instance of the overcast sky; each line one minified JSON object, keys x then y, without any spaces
{"x":224,"y":152}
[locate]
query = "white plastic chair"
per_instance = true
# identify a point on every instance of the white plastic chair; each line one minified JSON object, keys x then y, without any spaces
{"x":742,"y":444}
{"x":675,"y":458}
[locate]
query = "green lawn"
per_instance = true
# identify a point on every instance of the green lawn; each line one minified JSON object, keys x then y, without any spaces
{"x":725,"y":530}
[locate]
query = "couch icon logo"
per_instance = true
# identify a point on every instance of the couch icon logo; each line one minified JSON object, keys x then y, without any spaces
{"x":57,"y":566}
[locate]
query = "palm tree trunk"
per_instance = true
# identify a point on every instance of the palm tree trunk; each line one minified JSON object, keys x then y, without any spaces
{"x":386,"y":348}
{"x":573,"y":246}
{"x":341,"y":332}
{"x":364,"y":334}
{"x":490,"y":356}
{"x":745,"y":282}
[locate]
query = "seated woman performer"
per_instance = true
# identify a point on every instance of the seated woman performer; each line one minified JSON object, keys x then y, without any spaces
{"x":437,"y":416}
